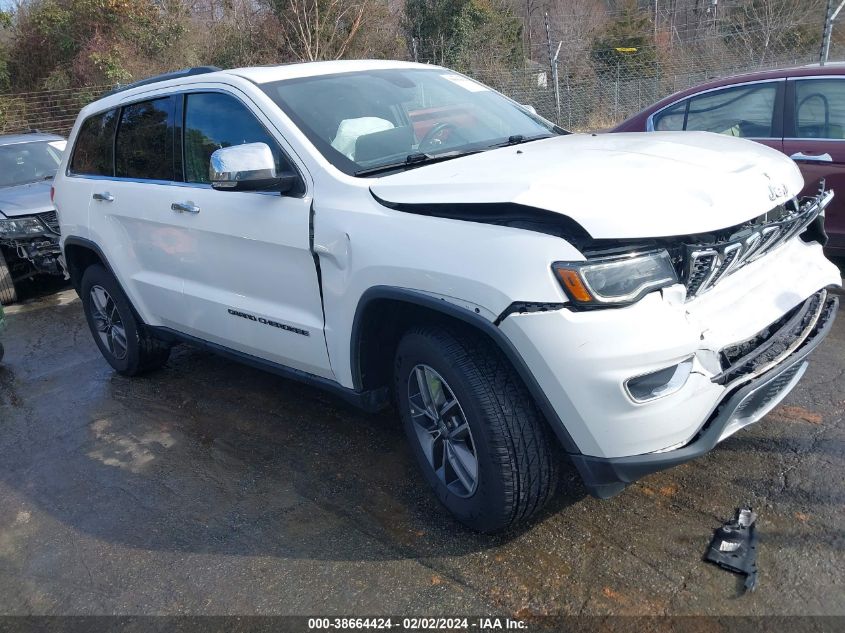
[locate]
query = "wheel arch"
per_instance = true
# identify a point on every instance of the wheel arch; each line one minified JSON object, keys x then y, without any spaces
{"x":384,"y":312}
{"x":81,"y":253}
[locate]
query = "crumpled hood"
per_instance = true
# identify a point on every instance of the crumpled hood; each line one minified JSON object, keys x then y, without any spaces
{"x":631,"y":185}
{"x":28,"y":199}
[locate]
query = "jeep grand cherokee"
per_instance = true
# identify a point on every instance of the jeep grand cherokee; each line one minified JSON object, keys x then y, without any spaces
{"x":399,"y":233}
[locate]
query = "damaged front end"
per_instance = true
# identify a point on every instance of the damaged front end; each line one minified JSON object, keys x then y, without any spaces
{"x":703,"y":260}
{"x":702,"y":357}
{"x":30,"y":245}
{"x":707,"y":262}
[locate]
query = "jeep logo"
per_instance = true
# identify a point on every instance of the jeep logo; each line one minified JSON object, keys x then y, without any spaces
{"x":778,"y":191}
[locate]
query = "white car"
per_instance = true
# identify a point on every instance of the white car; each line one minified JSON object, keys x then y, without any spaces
{"x":399,"y":233}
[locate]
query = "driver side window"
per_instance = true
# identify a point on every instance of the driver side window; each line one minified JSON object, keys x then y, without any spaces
{"x":745,"y":111}
{"x":214,"y":120}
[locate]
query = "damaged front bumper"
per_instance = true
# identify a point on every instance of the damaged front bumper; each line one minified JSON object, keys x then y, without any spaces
{"x":753,"y":325}
{"x":30,"y":256}
{"x":760,"y":392}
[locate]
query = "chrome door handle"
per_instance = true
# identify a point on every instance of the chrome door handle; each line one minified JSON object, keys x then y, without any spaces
{"x":816,"y":158}
{"x":185,"y":207}
{"x":103,"y":197}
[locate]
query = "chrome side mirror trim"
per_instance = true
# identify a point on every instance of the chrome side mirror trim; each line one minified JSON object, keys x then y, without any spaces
{"x":247,"y":167}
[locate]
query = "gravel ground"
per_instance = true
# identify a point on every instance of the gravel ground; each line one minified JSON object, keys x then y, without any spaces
{"x":212,"y":488}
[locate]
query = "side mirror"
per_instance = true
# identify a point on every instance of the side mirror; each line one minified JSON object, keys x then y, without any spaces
{"x":248,"y":167}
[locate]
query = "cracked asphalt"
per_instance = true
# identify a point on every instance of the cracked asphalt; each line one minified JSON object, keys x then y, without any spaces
{"x":213,"y":488}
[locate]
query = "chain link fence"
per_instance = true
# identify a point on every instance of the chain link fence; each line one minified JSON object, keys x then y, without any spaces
{"x":46,"y":111}
{"x":598,"y":83}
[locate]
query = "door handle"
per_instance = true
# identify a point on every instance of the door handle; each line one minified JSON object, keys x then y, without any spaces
{"x":185,"y":207}
{"x":103,"y":197}
{"x":815,"y":158}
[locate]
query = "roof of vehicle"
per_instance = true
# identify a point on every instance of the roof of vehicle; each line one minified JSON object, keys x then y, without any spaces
{"x":28,"y":137}
{"x":265,"y":74}
{"x":809,"y":70}
{"x":255,"y":74}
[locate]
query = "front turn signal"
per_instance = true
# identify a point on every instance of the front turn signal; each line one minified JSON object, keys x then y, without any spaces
{"x":573,"y":284}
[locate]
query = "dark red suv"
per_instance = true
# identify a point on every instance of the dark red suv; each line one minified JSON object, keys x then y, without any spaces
{"x":799,"y":111}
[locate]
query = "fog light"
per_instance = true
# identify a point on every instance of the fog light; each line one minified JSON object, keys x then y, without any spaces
{"x":659,"y":383}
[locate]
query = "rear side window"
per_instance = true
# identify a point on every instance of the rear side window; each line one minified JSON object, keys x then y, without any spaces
{"x":746,"y":111}
{"x":144,"y":147}
{"x":93,"y":153}
{"x":214,"y":120}
{"x":820,"y":108}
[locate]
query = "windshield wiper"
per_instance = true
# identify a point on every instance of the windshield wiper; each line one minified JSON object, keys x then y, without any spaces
{"x":415,"y":160}
{"x":519,"y":139}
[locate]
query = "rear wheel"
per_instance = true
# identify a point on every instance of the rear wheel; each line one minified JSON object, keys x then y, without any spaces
{"x":475,"y":431}
{"x":8,"y":294}
{"x":124,"y":342}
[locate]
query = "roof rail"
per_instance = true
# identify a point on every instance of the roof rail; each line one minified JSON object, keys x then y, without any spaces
{"x":176,"y":74}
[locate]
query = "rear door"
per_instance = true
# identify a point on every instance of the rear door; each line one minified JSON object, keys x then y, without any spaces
{"x":752,"y":110}
{"x":815,"y":139}
{"x":91,"y":163}
{"x":130,"y":212}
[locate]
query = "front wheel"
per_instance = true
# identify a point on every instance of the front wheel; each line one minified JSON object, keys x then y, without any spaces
{"x":476,"y":433}
{"x":8,"y":294}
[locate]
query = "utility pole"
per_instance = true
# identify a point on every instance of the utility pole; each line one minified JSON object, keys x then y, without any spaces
{"x":829,"y":16}
{"x":655,"y":22}
{"x":553,"y":57}
{"x":529,"y":44}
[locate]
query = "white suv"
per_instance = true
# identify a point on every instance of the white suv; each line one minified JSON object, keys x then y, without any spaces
{"x":399,"y":233}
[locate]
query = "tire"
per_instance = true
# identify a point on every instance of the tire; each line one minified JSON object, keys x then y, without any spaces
{"x":108,"y":312}
{"x":516,"y":473}
{"x":8,"y":294}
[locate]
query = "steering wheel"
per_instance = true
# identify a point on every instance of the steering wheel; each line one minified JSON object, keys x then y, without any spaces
{"x":432,"y":139}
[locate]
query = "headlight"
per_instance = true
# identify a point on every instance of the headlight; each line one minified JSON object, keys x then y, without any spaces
{"x":615,"y":280}
{"x":20,"y":227}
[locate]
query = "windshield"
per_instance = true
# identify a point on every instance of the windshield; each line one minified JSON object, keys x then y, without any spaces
{"x":21,"y":163}
{"x":362,"y":121}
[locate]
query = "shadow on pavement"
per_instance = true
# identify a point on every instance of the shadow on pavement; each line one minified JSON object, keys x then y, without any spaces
{"x":207,"y":455}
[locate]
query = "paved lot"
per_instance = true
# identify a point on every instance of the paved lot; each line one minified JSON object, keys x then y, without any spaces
{"x":212,"y":488}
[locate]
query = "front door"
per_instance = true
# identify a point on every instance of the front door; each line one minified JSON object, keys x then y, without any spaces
{"x":815,"y":139}
{"x":250,"y":279}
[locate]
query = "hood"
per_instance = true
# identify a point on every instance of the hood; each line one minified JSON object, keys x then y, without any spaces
{"x":631,"y":185}
{"x":28,"y":199}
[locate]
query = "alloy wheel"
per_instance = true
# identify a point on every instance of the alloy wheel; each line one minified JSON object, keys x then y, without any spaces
{"x":442,"y":430}
{"x":108,"y":322}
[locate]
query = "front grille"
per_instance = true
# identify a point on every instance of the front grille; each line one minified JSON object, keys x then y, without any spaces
{"x":51,"y":219}
{"x":705,"y":264}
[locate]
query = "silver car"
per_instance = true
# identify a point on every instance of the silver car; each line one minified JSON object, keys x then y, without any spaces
{"x":29,"y":228}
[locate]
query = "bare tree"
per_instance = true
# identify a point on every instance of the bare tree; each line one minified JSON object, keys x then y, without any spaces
{"x":760,"y":25}
{"x":320,"y":29}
